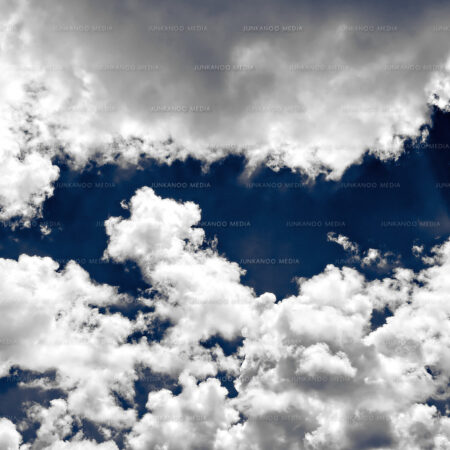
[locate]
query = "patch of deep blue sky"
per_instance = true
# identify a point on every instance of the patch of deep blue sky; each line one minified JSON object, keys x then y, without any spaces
{"x":273,"y":224}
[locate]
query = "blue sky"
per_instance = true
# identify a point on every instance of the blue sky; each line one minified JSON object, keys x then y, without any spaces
{"x":274,"y":224}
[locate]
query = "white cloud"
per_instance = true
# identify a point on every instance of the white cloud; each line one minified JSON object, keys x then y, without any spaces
{"x":25,"y":182}
{"x":374,"y":256}
{"x":161,"y":225}
{"x":104,"y":81}
{"x":51,"y":320}
{"x":83,"y":445}
{"x":26,"y":169}
{"x":370,"y":257}
{"x":311,"y":373}
{"x":10,"y":438}
{"x":344,"y":242}
{"x":311,"y":370}
{"x":417,"y":250}
{"x":198,"y":290}
{"x":188,"y":420}
{"x":55,"y":423}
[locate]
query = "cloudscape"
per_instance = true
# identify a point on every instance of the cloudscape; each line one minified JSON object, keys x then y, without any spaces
{"x":224,"y":225}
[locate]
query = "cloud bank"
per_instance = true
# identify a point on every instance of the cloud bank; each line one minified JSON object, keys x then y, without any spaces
{"x":311,"y":372}
{"x":300,"y":86}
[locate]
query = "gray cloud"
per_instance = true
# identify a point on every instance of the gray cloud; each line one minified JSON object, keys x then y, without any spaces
{"x":310,"y":87}
{"x":306,"y":86}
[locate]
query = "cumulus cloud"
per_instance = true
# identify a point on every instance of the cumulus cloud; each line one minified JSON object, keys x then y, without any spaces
{"x":189,"y":420}
{"x":25,"y":183}
{"x":26,"y":168}
{"x":374,"y":256}
{"x":55,"y":422}
{"x":371,"y":257}
{"x":311,"y":371}
{"x":417,"y":250}
{"x":10,"y":438}
{"x":343,"y":241}
{"x":197,"y":289}
{"x":365,"y":382}
{"x":51,"y":321}
{"x":83,"y":445}
{"x":287,"y":86}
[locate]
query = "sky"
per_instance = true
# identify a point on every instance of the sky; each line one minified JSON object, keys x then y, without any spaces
{"x":224,"y":225}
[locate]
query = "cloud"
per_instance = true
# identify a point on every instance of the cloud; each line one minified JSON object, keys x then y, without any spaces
{"x":417,"y":250}
{"x":51,"y":320}
{"x":188,"y":420}
{"x":197,"y":289}
{"x":343,"y":241}
{"x":26,"y":171}
{"x":288,"y":86}
{"x":10,"y":438}
{"x":311,"y":372}
{"x":163,"y":225}
{"x":374,"y":256}
{"x":25,"y":184}
{"x":55,"y":423}
{"x":370,"y":257}
{"x":83,"y":445}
